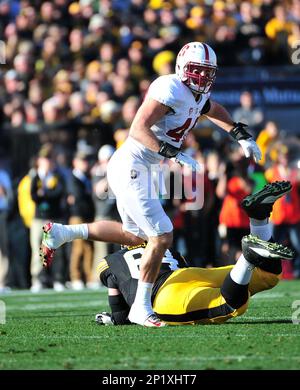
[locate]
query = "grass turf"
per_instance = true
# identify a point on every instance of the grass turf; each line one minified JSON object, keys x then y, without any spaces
{"x":57,"y":331}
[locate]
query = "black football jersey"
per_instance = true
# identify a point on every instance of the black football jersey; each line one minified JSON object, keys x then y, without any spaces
{"x":121,"y":270}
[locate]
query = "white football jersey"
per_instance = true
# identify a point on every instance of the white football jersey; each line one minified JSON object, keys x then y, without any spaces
{"x":185,"y":110}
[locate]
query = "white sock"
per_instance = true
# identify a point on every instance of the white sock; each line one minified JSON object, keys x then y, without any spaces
{"x":72,"y":232}
{"x":261,"y":229}
{"x":143,"y":299}
{"x":242,"y":271}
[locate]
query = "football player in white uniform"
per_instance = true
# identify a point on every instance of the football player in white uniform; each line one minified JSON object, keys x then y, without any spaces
{"x":170,"y":110}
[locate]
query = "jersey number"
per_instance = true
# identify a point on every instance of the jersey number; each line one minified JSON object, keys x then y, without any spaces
{"x":178,"y":133}
{"x":133,"y":260}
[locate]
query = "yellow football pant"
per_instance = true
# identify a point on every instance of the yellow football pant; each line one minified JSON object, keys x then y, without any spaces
{"x":192,"y":295}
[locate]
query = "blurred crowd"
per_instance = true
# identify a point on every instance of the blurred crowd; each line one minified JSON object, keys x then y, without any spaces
{"x":74,"y":75}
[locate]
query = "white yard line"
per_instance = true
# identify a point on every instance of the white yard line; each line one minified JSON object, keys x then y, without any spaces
{"x":60,"y":298}
{"x":58,"y":305}
{"x":45,"y":292}
{"x":264,"y":295}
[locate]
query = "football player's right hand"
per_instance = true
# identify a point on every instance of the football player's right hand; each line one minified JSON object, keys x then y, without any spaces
{"x":104,"y":318}
{"x":184,"y":159}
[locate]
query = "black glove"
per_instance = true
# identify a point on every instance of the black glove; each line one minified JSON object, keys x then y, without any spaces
{"x":239,"y":132}
{"x":246,"y":141}
{"x":168,"y":150}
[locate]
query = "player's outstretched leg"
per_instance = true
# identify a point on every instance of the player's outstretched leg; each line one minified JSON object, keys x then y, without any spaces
{"x":56,"y":234}
{"x":259,"y":205}
{"x":257,"y":251}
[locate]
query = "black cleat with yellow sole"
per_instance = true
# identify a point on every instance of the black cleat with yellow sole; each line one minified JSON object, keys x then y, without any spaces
{"x":258,"y":251}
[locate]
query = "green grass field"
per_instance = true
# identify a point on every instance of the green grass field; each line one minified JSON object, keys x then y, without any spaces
{"x":57,"y":331}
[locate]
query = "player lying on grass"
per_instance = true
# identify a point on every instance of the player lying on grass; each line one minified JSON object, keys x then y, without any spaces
{"x":190,"y":295}
{"x":213,"y":292}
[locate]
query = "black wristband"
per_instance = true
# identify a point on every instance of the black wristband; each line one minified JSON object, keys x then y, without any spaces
{"x":168,"y":150}
{"x":239,"y":132}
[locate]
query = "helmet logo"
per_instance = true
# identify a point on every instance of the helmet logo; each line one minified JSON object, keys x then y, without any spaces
{"x":183,"y":50}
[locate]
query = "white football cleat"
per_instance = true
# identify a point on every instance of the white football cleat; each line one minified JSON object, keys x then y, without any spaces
{"x":148,"y":320}
{"x":154,"y":322}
